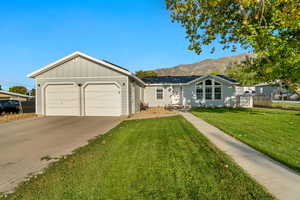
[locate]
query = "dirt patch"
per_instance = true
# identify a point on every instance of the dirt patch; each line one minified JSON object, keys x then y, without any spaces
{"x":154,"y":112}
{"x":13,"y":117}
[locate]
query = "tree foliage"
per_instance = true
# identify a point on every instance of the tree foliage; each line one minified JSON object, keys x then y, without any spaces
{"x":142,"y":74}
{"x":240,"y":72}
{"x":18,"y":89}
{"x":33,"y":92}
{"x":268,"y":28}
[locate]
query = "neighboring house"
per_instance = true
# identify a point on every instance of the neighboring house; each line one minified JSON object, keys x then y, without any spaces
{"x":240,"y":90}
{"x":276,"y":92}
{"x":80,"y":85}
{"x":4,"y":95}
{"x":265,"y":88}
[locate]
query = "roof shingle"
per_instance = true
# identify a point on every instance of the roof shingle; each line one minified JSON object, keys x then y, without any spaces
{"x":178,"y":79}
{"x":169,"y":79}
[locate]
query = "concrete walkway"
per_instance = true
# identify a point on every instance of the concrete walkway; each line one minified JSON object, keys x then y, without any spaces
{"x":280,"y":181}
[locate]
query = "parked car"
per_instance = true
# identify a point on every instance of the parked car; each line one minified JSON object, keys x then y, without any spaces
{"x":10,"y":106}
{"x":250,"y":92}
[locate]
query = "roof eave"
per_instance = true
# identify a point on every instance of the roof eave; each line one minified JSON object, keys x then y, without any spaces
{"x":15,"y":94}
{"x":75,"y":54}
{"x":210,"y":75}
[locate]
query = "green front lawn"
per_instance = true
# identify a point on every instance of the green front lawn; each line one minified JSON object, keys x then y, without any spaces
{"x":272,"y":131}
{"x":286,"y":105}
{"x":164,"y":158}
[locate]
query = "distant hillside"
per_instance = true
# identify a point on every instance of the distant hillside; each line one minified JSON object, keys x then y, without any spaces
{"x":203,"y":67}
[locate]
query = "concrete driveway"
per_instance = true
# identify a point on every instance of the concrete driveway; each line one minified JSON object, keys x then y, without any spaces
{"x":23,"y":143}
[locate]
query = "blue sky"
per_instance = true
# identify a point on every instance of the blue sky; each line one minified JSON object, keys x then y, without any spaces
{"x":136,"y":34}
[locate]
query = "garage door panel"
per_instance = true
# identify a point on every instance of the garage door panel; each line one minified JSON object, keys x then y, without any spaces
{"x":102,"y":100}
{"x":62,"y":100}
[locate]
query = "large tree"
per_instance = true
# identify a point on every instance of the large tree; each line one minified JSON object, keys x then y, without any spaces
{"x":268,"y":28}
{"x":18,"y":89}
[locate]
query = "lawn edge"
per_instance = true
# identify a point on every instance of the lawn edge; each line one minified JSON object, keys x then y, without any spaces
{"x":281,"y":162}
{"x":236,"y":164}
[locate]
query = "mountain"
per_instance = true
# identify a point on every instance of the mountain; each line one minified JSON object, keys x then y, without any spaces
{"x":203,"y":67}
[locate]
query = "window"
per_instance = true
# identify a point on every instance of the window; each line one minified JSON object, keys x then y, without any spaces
{"x":208,"y":82}
{"x":199,"y":93}
{"x":208,"y":93}
{"x":218,"y":93}
{"x":209,"y":89}
{"x":199,"y":90}
{"x":159,"y":93}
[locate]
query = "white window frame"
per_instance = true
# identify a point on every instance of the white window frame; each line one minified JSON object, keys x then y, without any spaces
{"x":162,"y":89}
{"x":214,"y":92}
{"x":199,"y":87}
{"x":213,"y":86}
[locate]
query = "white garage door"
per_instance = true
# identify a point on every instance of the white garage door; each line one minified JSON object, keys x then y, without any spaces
{"x":62,"y":100}
{"x":102,"y":100}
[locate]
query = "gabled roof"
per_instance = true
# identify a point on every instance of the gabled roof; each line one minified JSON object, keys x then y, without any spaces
{"x":227,"y":78}
{"x":15,"y":94}
{"x":185,"y":80}
{"x":76,"y":54}
{"x":169,"y":79}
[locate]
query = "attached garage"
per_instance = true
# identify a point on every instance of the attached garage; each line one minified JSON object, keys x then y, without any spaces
{"x":102,"y":99}
{"x":80,"y":85}
{"x":62,"y":99}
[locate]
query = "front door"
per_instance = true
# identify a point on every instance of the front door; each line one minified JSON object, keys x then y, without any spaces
{"x":175,"y":98}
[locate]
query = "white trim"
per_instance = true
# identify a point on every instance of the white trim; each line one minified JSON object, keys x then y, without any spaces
{"x":166,"y":84}
{"x":76,"y":54}
{"x":162,"y":93}
{"x":195,"y":80}
{"x":50,"y":78}
{"x":43,"y":95}
{"x":128,"y":97}
{"x":213,"y":86}
{"x":36,"y":98}
{"x":213,"y":77}
{"x":82,"y":88}
{"x":15,"y":94}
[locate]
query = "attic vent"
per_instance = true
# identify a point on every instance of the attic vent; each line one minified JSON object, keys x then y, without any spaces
{"x":75,"y":59}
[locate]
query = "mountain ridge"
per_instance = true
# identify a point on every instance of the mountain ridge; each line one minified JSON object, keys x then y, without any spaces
{"x":207,"y":66}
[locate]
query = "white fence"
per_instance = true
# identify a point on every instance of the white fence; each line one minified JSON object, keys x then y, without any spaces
{"x":249,"y":101}
{"x":262,"y":100}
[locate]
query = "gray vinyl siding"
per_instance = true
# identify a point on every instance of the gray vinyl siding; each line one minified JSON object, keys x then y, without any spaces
{"x":79,"y":67}
{"x":265,"y":89}
{"x":150,"y":96}
{"x":188,"y":95}
{"x":80,"y":72}
{"x":135,"y":96}
{"x":228,"y":96}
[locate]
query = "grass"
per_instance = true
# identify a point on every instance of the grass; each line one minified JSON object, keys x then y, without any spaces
{"x":155,"y":159}
{"x":286,"y":105}
{"x":13,"y":117}
{"x":272,"y":131}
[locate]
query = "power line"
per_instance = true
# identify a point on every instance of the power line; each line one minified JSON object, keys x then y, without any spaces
{"x":23,"y":83}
